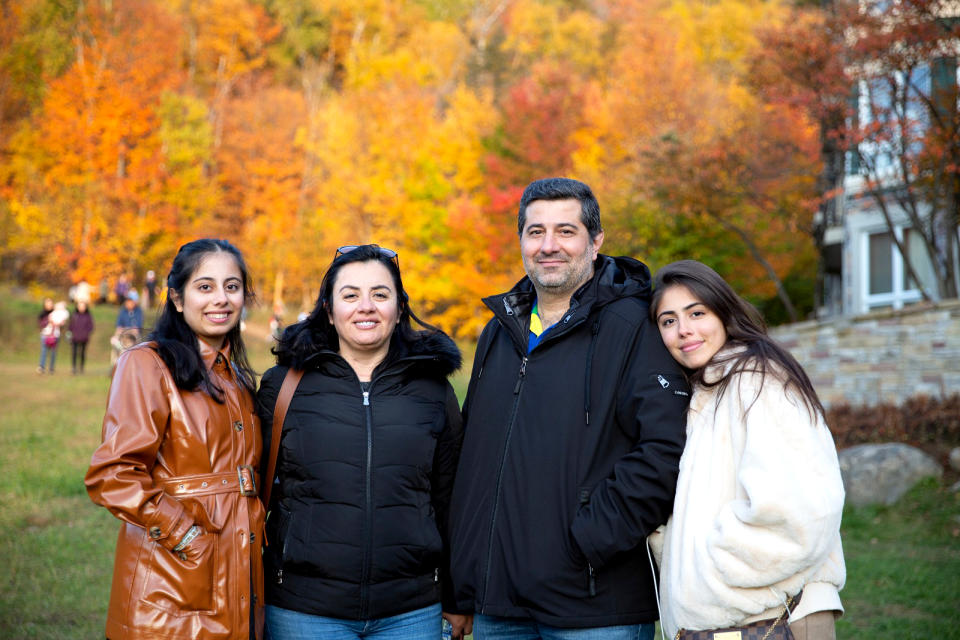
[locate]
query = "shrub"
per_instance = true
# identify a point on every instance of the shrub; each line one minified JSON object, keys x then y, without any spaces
{"x":931,"y":424}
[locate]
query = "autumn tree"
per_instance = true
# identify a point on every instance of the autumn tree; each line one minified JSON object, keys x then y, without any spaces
{"x":887,"y":94}
{"x":907,"y":135}
{"x":692,"y":160}
{"x":86,"y":181}
{"x":385,"y":149}
{"x":804,"y":69}
{"x":543,"y":58}
{"x":34,"y":46}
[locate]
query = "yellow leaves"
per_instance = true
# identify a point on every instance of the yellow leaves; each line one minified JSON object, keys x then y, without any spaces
{"x":546,"y":30}
{"x":226,"y":36}
{"x":720,"y":34}
{"x":457,"y":143}
{"x":32,"y":222}
{"x":443,"y":47}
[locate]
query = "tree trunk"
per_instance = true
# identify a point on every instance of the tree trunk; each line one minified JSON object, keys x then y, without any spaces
{"x":758,"y":256}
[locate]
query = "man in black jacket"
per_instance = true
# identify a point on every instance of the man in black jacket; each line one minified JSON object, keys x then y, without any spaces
{"x":574,"y":423}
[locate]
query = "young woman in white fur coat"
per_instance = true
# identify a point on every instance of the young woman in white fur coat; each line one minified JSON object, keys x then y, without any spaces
{"x":756,"y":519}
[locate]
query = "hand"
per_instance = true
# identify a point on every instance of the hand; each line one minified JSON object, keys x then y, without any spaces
{"x":462,"y":625}
{"x":196,"y":550}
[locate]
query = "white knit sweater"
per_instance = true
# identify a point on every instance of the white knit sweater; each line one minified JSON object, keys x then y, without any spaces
{"x":757,"y":511}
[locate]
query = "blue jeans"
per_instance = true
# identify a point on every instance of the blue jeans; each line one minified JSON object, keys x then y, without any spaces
{"x":420,"y":624}
{"x":44,"y":350}
{"x":494,"y":628}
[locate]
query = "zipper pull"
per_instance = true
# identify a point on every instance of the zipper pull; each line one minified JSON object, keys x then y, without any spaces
{"x":436,"y":574}
{"x":366,"y":398}
{"x":523,"y":372}
{"x":593,"y":580}
{"x":279,"y":576}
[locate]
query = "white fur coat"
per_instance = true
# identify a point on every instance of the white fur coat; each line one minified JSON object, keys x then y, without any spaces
{"x":757,"y":511}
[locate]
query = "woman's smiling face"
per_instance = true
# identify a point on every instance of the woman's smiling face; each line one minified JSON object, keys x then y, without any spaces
{"x":364,"y":307}
{"x":691,"y":331}
{"x":212,"y":298}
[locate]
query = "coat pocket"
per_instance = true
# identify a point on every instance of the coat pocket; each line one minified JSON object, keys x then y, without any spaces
{"x":184,"y":587}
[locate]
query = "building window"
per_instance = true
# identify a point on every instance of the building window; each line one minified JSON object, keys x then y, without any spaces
{"x":892,"y":111}
{"x":881,"y":264}
{"x":888,"y":284}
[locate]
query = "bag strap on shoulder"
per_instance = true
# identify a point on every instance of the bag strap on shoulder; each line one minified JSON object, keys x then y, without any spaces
{"x":287,"y":389}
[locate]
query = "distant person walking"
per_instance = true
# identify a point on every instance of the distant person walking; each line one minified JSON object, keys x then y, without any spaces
{"x":128,"y":328}
{"x":121,"y":289}
{"x":150,"y":289}
{"x":43,"y":319}
{"x":81,"y":326}
{"x":52,"y":326}
{"x":276,"y":323}
{"x":104,"y":291}
{"x":82,"y":292}
{"x":130,"y":315}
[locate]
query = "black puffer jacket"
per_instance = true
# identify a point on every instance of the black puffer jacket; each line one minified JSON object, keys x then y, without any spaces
{"x":570,"y":457}
{"x":357,"y":524}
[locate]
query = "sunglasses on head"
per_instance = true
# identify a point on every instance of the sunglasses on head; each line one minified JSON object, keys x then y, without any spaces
{"x":389,"y":254}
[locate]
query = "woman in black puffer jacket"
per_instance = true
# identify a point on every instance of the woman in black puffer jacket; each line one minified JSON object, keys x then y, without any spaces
{"x":357,"y":536}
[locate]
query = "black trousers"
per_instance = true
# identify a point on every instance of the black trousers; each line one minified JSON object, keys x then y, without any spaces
{"x":79,"y":349}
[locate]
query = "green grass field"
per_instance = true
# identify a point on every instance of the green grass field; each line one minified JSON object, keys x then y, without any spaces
{"x":56,"y":547}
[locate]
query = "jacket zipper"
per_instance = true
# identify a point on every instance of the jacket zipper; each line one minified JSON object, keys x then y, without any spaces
{"x":591,"y":573}
{"x":368,"y":497}
{"x":496,"y":495}
{"x":283,"y":549}
{"x":366,"y":568}
{"x":368,"y":538}
{"x":510,"y":321}
{"x":283,"y":553}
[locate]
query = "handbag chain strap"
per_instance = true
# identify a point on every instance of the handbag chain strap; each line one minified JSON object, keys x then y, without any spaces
{"x":775,"y":623}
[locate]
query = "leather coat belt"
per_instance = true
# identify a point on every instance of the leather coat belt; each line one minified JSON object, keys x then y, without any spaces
{"x":244,"y":481}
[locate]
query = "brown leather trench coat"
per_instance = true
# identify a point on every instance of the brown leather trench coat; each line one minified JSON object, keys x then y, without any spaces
{"x":171,"y":459}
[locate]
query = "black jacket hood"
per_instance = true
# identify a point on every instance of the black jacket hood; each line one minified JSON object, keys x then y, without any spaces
{"x":613,"y":278}
{"x":439,"y":352}
{"x":432,"y":351}
{"x":617,"y":277}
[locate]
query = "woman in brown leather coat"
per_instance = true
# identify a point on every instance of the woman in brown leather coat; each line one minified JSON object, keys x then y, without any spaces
{"x":180,"y":445}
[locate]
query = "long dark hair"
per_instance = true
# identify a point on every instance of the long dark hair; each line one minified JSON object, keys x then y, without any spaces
{"x":176,"y":341}
{"x":745,"y":328}
{"x":302,"y":340}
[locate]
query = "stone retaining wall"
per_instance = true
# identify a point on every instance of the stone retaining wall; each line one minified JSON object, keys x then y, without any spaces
{"x":884,"y":356}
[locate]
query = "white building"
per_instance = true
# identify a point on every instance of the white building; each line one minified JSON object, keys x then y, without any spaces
{"x":863,"y":267}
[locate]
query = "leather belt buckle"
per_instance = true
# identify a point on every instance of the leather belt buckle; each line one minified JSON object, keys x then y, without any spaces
{"x":248,"y":483}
